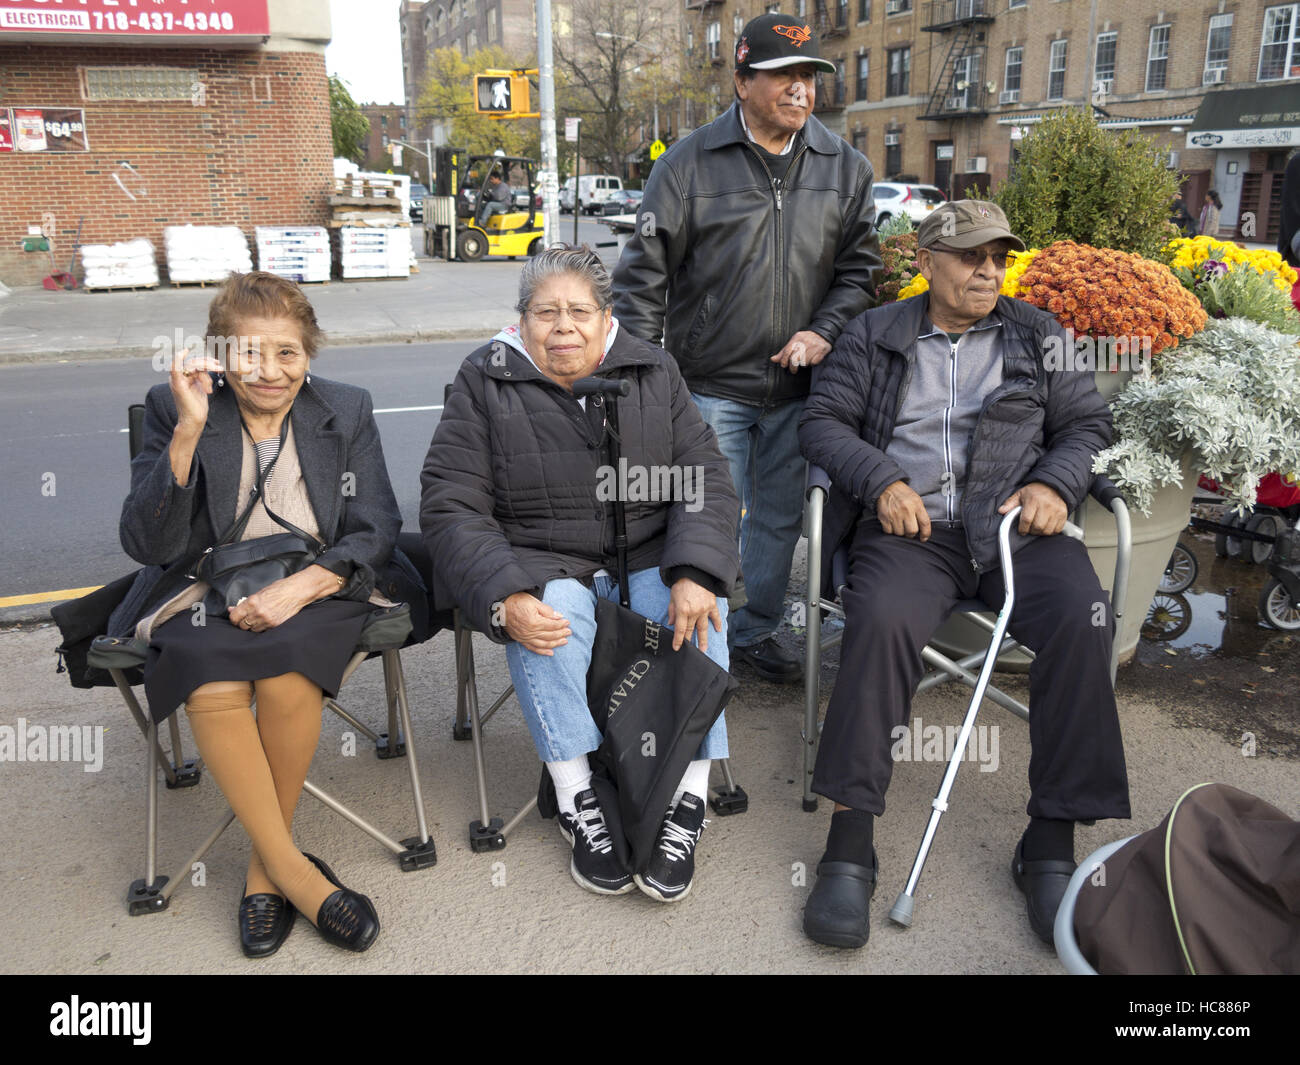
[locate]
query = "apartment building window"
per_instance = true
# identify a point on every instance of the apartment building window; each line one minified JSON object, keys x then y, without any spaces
{"x":1011,"y":73}
{"x":840,"y":80}
{"x":138,"y":83}
{"x":896,"y":7}
{"x":860,"y":140}
{"x":864,"y":13}
{"x":401,"y":121}
{"x":893,"y":155}
{"x":864,"y":72}
{"x":715,"y":40}
{"x":1217,"y":45}
{"x":1104,"y":67}
{"x":1017,"y":3}
{"x":900,"y":69}
{"x":737,"y":23}
{"x":1056,"y":70}
{"x":441,"y":18}
{"x":473,"y":40}
{"x":801,"y":8}
{"x":1279,"y":53}
{"x":842,"y":14}
{"x":1158,"y":59}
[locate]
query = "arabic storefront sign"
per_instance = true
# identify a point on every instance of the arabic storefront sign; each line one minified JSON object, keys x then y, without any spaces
{"x":43,"y":129}
{"x":151,"y":18}
{"x":1278,"y":137}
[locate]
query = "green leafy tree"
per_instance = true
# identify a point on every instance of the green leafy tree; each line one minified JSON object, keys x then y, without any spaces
{"x":1075,"y":181}
{"x":350,"y":127}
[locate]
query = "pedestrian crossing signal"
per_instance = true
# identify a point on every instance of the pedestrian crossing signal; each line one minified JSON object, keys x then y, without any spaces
{"x":501,"y":93}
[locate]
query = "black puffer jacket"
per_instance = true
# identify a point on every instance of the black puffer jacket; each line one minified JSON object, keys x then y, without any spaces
{"x":512,"y":485}
{"x":728,"y":264}
{"x":1038,"y":425}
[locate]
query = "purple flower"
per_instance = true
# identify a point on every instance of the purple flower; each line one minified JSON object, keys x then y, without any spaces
{"x":1214,"y":268}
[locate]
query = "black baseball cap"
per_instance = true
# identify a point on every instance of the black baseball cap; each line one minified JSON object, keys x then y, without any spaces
{"x":770,"y":42}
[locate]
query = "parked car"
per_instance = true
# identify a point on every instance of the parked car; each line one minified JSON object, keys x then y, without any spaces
{"x":625,"y":201}
{"x":418,"y":193}
{"x":893,"y":197}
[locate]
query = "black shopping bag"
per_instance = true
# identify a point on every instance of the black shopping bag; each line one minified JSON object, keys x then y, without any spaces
{"x":654,"y":706}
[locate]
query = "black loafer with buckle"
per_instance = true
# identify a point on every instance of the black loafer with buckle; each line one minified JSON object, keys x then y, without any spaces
{"x":1043,"y":884}
{"x":346,"y":919}
{"x":265,"y":921}
{"x":837,"y":911}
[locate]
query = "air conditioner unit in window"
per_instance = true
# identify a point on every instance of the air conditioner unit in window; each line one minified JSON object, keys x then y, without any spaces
{"x":977,"y":164}
{"x":1009,"y":96}
{"x":893,"y":7}
{"x":1103,"y":86}
{"x":891,"y":140}
{"x":955,"y":103}
{"x":1213,"y":75}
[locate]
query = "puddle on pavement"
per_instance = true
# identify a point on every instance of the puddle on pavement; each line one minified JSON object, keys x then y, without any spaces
{"x":1217,"y":616}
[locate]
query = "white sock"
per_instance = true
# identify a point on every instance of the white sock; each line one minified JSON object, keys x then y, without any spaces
{"x":570,"y":777}
{"x":695,"y":780}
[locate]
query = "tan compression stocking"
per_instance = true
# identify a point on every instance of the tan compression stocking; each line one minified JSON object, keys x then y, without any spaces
{"x":227,"y":738}
{"x":289,"y":722}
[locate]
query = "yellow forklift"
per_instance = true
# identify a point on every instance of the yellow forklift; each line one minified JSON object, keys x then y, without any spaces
{"x":452,"y":230}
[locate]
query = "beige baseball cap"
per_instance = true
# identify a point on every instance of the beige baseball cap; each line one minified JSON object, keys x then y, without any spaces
{"x":966,"y":224}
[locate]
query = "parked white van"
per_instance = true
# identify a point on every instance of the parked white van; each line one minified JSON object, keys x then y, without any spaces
{"x":593,"y":190}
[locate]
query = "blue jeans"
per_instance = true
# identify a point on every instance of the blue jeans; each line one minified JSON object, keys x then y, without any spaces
{"x":762,"y":446}
{"x":490,"y":208}
{"x":552,"y":690}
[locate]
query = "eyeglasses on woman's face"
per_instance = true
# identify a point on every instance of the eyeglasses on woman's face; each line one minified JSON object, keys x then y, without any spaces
{"x":579,"y":313}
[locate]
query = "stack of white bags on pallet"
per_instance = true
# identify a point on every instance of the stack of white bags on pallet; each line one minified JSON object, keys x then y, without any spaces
{"x":299,"y":253}
{"x":129,"y":264}
{"x":205,"y":253}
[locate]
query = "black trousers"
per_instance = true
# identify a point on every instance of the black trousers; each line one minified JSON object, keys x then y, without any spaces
{"x":900,"y":590}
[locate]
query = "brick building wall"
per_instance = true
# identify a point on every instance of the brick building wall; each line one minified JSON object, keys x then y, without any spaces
{"x":387,"y":122}
{"x":255,"y":150}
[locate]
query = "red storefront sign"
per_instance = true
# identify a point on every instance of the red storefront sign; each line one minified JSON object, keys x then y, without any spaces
{"x":136,"y":18}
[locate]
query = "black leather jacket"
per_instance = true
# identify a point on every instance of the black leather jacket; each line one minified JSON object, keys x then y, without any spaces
{"x":726,"y":264}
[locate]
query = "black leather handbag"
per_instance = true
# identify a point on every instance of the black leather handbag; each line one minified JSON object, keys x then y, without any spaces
{"x":236,"y":569}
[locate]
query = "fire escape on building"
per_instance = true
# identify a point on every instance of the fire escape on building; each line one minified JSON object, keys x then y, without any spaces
{"x":959,"y":89}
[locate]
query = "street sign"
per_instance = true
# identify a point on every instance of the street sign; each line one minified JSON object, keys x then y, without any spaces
{"x":657,"y":149}
{"x":571,"y":129}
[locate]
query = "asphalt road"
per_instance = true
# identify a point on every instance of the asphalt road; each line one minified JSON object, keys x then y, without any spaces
{"x":64,"y":462}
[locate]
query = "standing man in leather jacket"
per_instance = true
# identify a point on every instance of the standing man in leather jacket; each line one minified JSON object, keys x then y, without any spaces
{"x":755,"y":245}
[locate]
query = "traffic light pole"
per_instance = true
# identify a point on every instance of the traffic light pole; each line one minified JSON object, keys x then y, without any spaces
{"x":550,"y":156}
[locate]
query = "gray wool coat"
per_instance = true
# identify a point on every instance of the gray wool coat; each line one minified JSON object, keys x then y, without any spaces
{"x":166,"y":526}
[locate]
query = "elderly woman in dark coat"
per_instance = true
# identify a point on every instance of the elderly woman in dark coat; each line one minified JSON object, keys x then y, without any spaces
{"x":210,"y":435}
{"x":516,"y":514}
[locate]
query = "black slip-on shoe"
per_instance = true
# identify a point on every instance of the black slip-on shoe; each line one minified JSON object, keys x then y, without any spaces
{"x":265,"y":921}
{"x":346,"y":919}
{"x":771,"y":661}
{"x":1043,"y":883}
{"x":837,"y":912}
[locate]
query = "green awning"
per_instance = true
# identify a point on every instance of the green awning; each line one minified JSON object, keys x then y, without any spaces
{"x":1266,"y":116}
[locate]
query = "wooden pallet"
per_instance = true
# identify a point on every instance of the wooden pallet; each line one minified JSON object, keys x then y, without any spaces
{"x":195,"y":284}
{"x":390,"y":277}
{"x":119,"y":288}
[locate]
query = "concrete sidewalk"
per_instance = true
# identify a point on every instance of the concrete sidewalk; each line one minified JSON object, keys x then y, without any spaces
{"x":444,"y":301}
{"x":75,"y":840}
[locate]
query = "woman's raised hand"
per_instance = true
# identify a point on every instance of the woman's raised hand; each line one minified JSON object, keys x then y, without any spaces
{"x":191,"y":386}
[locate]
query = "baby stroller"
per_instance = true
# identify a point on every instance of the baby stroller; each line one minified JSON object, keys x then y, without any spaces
{"x":1269,"y":535}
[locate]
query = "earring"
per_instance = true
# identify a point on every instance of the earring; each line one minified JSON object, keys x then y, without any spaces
{"x":221,"y":380}
{"x":309,"y":378}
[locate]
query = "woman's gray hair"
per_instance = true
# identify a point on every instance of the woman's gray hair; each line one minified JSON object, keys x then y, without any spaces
{"x":560,"y":259}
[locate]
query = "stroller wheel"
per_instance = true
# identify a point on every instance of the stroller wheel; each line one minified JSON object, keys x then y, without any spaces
{"x":1277,"y":608}
{"x":1180,"y":572}
{"x":1168,"y":617}
{"x":1266,"y":525}
{"x":1225,"y":545}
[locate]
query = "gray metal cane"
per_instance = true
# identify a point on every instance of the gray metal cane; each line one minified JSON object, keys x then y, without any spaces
{"x":901,"y":914}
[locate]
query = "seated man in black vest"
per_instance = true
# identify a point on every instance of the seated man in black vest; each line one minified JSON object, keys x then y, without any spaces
{"x":934,"y":416}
